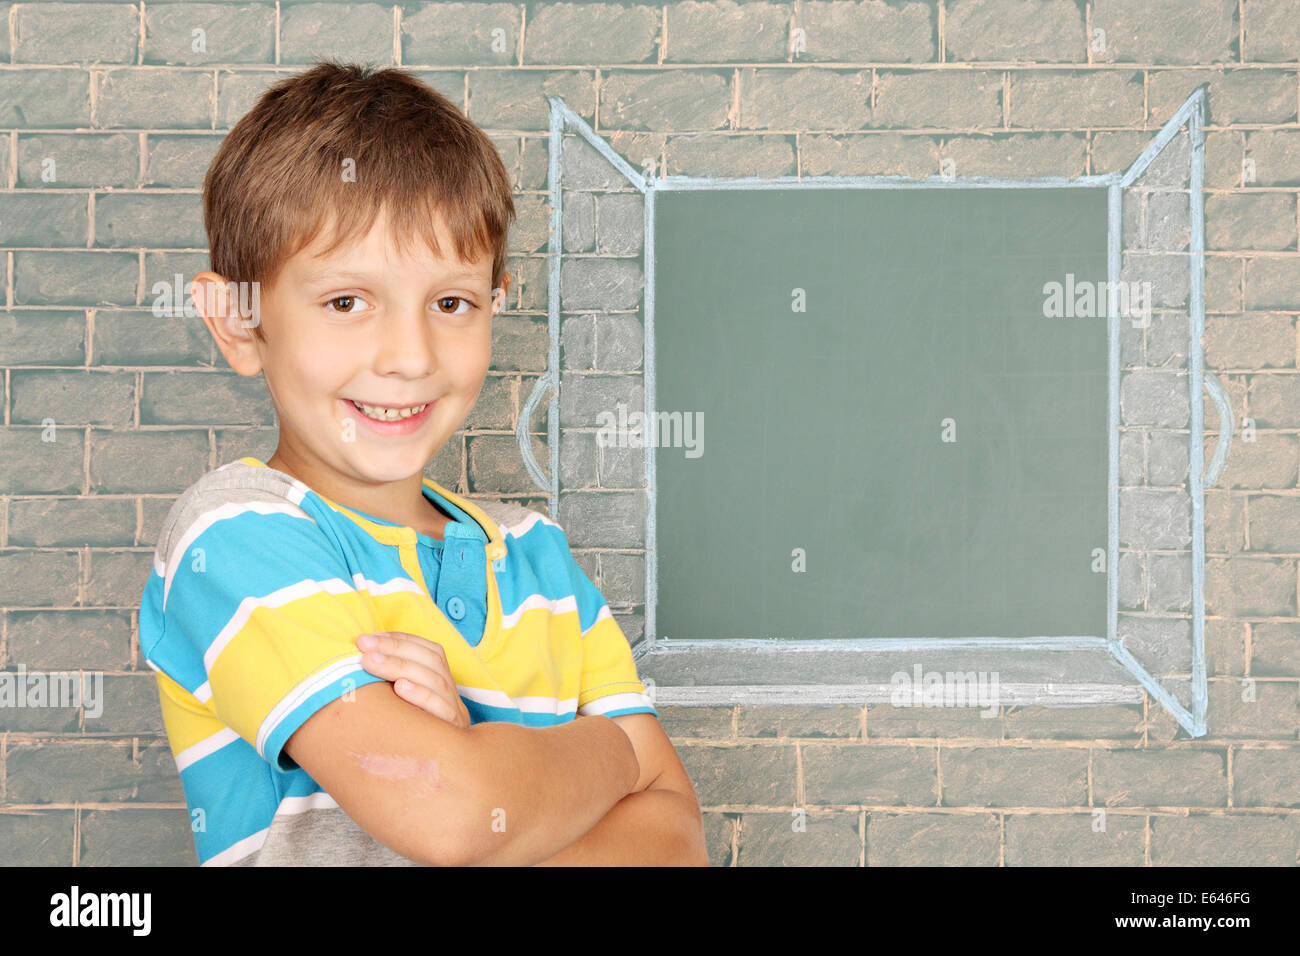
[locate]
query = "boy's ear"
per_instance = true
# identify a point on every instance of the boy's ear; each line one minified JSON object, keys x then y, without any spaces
{"x":230,"y":310}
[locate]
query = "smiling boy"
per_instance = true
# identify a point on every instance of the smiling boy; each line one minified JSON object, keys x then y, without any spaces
{"x":374,"y":217}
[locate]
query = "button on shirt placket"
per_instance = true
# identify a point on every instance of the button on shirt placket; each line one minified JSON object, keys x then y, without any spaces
{"x":462,"y":578}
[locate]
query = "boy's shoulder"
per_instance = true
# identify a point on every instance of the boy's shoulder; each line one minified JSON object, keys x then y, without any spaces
{"x":231,"y":483}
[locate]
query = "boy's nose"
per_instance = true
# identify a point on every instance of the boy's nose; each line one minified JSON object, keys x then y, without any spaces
{"x":406,"y":344}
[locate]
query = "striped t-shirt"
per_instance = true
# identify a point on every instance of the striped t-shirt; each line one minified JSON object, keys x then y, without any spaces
{"x":259,"y":589}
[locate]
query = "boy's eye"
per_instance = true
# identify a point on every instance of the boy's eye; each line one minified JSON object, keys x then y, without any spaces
{"x":441,"y":303}
{"x":345,"y":303}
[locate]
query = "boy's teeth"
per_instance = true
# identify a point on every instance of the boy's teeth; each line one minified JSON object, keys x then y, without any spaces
{"x":389,"y":414}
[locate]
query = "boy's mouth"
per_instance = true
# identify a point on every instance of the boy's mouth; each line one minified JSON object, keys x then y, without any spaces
{"x":387,"y":413}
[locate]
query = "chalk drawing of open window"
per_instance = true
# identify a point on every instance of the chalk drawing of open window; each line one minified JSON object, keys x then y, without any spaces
{"x":845,"y":427}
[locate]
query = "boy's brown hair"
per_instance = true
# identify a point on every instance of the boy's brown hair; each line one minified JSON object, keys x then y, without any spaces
{"x":281,"y":172}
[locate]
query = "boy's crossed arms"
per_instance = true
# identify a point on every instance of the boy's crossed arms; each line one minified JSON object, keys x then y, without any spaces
{"x":408,"y":767}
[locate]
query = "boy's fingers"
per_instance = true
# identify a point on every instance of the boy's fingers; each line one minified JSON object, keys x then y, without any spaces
{"x":391,"y":668}
{"x":407,"y":646}
{"x":426,"y":700}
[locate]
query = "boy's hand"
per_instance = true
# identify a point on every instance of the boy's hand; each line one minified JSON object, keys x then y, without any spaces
{"x":418,"y":670}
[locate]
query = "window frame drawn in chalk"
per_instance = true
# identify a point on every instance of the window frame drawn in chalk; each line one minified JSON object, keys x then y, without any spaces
{"x":1043,"y":671}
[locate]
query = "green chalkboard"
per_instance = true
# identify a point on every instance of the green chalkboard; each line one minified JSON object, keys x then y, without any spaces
{"x":824,"y":428}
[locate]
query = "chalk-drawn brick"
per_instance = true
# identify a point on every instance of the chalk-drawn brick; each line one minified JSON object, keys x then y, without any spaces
{"x":1272,"y":284}
{"x":1266,"y":777}
{"x":579,"y":221}
{"x":1274,"y":400}
{"x":138,"y":337}
{"x":884,"y":720}
{"x":116,"y":578}
{"x":77,"y":159}
{"x":1271,"y":31}
{"x":1167,"y":458}
{"x":495,"y":407}
{"x":677,"y":100}
{"x":1044,"y":31}
{"x":72,"y":397}
{"x":1132,"y":455}
{"x":1275,"y":523}
{"x":1246,"y":221}
{"x":1161,"y":644}
{"x":30,"y":465}
{"x":1169,"y":582}
{"x":45,"y":99}
{"x":898,"y":775}
{"x":238,"y":91}
{"x":1110,"y":722}
{"x":519,"y":342}
{"x":607,"y":33}
{"x":604,"y":519}
{"x":578,"y":342}
{"x":932,"y":839}
{"x":724,"y":156}
{"x":1255,"y":340}
{"x":1274,"y":155}
{"x":868,"y":32}
{"x":1151,"y":518}
{"x":179,"y":162}
{"x":31,"y":219}
{"x":1273,"y":714}
{"x":620,"y":343}
{"x":39,"y":578}
{"x":1164,"y":777}
{"x":63,"y":640}
{"x":531,"y":231}
{"x":40,"y":838}
{"x":177,"y":398}
{"x":1275,"y":649}
{"x":231,"y":34}
{"x":1166,"y":31}
{"x":1168,"y":225}
{"x":1058,"y":99}
{"x":747,"y":774}
{"x":1132,"y":584}
{"x":144,"y":837}
{"x":1154,"y":398}
{"x":622,"y":467}
{"x":342,"y":31}
{"x":792,"y":721}
{"x":1242,"y":586}
{"x":696,"y":722}
{"x":1233,"y":839}
{"x":1013,"y":776}
{"x":1074,"y":839}
{"x":1235,"y":96}
{"x":174,"y":219}
{"x":600,"y":284}
{"x":585,"y":398}
{"x":620,"y":224}
{"x":823,"y":839}
{"x":75,"y":33}
{"x":935,"y":100}
{"x":159,"y":98}
{"x":585,"y":168}
{"x":1267,"y":462}
{"x":1016,"y":154}
{"x":622,"y":577}
{"x":727,"y":32}
{"x":517,"y":99}
{"x":74,"y":522}
{"x":875,"y":154}
{"x":462,"y":33}
{"x":719,"y":828}
{"x":495,"y":464}
{"x":42,"y":337}
{"x":155,"y":461}
{"x":805,"y":99}
{"x":130,"y":705}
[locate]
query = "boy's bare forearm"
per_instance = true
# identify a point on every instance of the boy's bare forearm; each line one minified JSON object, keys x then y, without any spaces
{"x":543,"y":788}
{"x":655,"y":827}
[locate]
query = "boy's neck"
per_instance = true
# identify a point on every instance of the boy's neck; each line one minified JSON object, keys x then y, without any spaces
{"x":402,"y":502}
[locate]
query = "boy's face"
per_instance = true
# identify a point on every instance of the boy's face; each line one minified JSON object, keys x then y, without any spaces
{"x":370,"y":325}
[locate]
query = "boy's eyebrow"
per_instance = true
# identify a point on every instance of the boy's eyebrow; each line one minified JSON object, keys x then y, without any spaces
{"x":326,"y":276}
